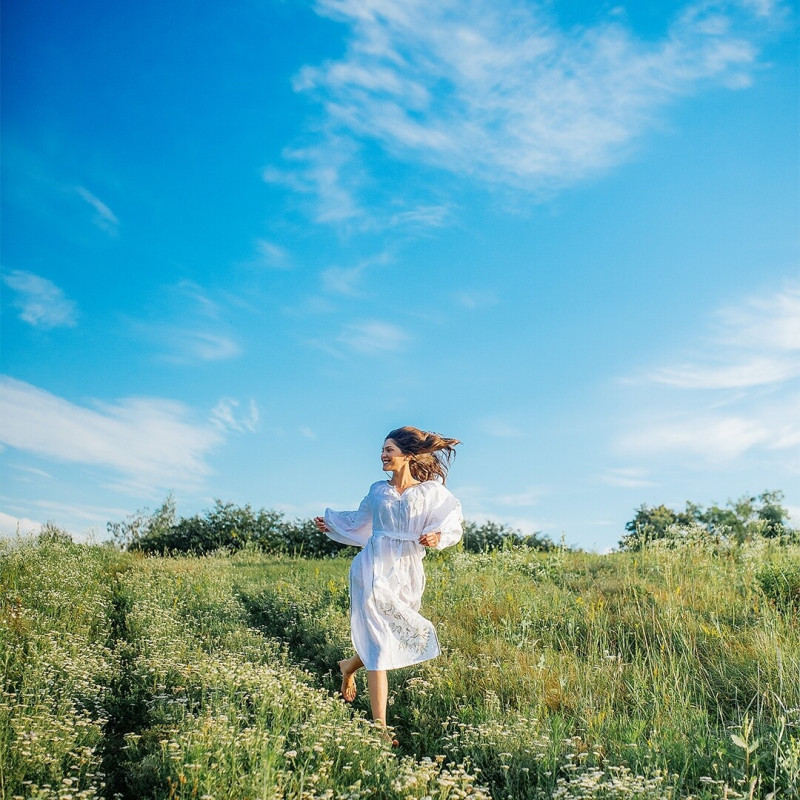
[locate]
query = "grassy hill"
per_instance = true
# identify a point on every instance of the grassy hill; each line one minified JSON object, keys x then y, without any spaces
{"x":658,"y":674}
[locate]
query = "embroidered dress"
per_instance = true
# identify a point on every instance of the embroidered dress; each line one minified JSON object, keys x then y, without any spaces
{"x":386,"y":577}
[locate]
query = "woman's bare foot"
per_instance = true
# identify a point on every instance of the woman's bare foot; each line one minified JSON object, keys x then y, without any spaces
{"x":388,"y":736}
{"x":348,"y":680}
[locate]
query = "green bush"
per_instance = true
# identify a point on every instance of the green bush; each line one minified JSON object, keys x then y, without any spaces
{"x":224,"y":527}
{"x":491,"y":536}
{"x":746,"y":519}
{"x":229,"y":527}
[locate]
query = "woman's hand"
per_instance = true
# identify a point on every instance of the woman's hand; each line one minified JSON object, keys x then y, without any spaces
{"x":321,"y":526}
{"x":431,"y":539}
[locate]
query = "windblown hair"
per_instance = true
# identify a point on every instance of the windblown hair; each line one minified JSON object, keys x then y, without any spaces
{"x":431,"y":454}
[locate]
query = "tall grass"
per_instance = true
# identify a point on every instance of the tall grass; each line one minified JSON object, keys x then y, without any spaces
{"x":660,"y":674}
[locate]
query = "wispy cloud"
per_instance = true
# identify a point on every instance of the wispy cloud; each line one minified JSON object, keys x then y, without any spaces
{"x":228,"y":416}
{"x":422,"y":216}
{"x":525,"y":499}
{"x":38,"y":473}
{"x":472,"y":300}
{"x":627,"y":478}
{"x":736,"y":393}
{"x":82,"y":521}
{"x":198,"y":345}
{"x":190,"y":325}
{"x":705,"y":436}
{"x":374,"y":337}
{"x":753,"y":344}
{"x":756,"y":371}
{"x":347,"y":280}
{"x":147,"y":442}
{"x":40,"y":302}
{"x":104,"y":217}
{"x":270,"y":254}
{"x":343,"y":280}
{"x":499,"y":92}
{"x":327,"y":173}
{"x":11,"y":526}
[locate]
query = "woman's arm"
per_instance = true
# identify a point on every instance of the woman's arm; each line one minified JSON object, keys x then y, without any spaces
{"x":445,"y":521}
{"x":348,"y":527}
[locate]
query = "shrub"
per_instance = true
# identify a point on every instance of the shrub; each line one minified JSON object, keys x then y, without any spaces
{"x":230,"y":528}
{"x":491,"y":536}
{"x":745,"y":519}
{"x":224,"y":527}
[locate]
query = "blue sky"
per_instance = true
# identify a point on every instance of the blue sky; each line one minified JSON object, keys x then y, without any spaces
{"x":242,"y":241}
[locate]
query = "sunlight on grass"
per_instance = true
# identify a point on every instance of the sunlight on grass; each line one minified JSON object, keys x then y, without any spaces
{"x":658,"y":674}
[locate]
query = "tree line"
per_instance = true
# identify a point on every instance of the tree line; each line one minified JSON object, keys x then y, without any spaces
{"x":228,"y":527}
{"x":745,"y":519}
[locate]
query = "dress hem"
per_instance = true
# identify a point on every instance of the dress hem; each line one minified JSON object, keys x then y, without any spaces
{"x":399,"y":666}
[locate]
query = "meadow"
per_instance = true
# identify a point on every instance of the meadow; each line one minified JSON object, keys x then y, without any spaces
{"x":665,"y":673}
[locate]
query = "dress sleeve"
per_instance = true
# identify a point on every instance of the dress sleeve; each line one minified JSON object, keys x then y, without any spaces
{"x":350,"y":527}
{"x":445,"y":517}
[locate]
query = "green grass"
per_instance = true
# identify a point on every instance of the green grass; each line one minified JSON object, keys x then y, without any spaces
{"x":658,"y":674}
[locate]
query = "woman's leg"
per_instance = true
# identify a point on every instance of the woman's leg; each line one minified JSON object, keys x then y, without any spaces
{"x":378,"y":694}
{"x":348,"y":668}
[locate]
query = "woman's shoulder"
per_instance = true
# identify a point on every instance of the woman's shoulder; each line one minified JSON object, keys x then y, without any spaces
{"x":378,"y":486}
{"x":435,"y":489}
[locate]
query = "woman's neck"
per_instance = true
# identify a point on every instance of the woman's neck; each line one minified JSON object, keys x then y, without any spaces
{"x":402,"y":478}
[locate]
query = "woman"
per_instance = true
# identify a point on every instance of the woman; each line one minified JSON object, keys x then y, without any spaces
{"x":394,"y":524}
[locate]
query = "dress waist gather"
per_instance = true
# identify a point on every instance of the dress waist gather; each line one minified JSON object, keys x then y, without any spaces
{"x":406,"y":536}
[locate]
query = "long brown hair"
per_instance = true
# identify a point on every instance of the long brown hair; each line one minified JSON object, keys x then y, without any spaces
{"x":431,"y":453}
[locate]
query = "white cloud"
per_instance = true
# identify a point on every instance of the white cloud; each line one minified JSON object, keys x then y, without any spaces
{"x":627,"y":478}
{"x":525,"y":499}
{"x":374,"y":337}
{"x":196,"y":328}
{"x":501,"y":93}
{"x":148,"y":443}
{"x":347,"y":280}
{"x":328,"y":173}
{"x":706,"y":437}
{"x":82,"y":522}
{"x":756,"y":371}
{"x":188,"y":345}
{"x":342,"y":280}
{"x":104,"y":218}
{"x":735,"y":396}
{"x":40,"y":302}
{"x":191,"y":345}
{"x":201,"y":302}
{"x":226,"y":415}
{"x":10,"y":526}
{"x":272,"y":255}
{"x":427,"y":216}
{"x":765,"y":321}
{"x":472,"y":300}
{"x":39,"y":473}
{"x":754,"y":343}
{"x":701,"y":434}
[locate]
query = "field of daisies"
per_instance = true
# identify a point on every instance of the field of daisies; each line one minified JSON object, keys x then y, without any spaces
{"x":658,"y":674}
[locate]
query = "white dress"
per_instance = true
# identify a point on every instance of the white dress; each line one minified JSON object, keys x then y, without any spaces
{"x":386,"y":577}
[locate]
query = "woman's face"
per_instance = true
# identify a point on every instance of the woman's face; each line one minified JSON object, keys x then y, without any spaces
{"x":392,"y":458}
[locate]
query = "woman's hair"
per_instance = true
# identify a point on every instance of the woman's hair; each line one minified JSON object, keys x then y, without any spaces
{"x":431,"y":453}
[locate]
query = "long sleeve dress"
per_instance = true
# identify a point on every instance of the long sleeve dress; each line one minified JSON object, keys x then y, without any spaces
{"x":386,"y":577}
